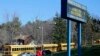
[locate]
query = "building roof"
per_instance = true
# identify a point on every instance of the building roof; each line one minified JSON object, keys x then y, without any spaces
{"x":23,"y":37}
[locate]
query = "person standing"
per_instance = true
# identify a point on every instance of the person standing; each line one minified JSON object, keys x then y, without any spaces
{"x":39,"y":52}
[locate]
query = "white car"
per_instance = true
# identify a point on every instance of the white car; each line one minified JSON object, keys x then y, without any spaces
{"x":27,"y":54}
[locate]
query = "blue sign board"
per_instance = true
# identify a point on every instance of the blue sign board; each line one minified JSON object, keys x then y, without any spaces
{"x":73,"y":10}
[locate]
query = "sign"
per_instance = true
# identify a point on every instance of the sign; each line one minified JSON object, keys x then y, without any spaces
{"x":76,"y":12}
{"x":73,"y":10}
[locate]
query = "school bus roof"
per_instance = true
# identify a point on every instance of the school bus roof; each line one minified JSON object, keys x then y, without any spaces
{"x":66,"y":43}
{"x":48,"y":45}
{"x":20,"y":46}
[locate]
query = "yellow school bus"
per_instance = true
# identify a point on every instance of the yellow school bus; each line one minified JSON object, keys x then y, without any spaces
{"x":64,"y":46}
{"x":15,"y":50}
{"x":51,"y":47}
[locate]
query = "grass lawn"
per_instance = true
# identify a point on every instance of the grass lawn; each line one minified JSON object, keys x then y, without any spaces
{"x":86,"y":51}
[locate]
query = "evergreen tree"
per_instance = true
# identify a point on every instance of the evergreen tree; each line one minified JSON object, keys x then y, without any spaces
{"x":59,"y":32}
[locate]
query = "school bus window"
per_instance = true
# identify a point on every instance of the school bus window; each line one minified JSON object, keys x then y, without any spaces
{"x":16,"y":49}
{"x":7,"y":53}
{"x":31,"y":48}
{"x":6,"y":49}
{"x":64,"y":46}
{"x":24,"y":48}
{"x":13,"y":49}
{"x":21,"y":49}
{"x":27,"y":48}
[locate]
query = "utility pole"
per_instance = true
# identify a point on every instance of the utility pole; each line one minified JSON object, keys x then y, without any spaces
{"x":42,"y":32}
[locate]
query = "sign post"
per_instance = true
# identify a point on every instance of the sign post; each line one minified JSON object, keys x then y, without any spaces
{"x":69,"y":37}
{"x":79,"y":38}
